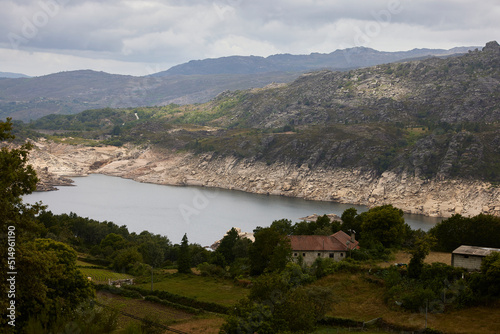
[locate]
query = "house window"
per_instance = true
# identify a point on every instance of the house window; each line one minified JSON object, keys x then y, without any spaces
{"x":319,"y":254}
{"x":331,"y":255}
{"x":303,"y":254}
{"x":295,"y":254}
{"x":341,"y":254}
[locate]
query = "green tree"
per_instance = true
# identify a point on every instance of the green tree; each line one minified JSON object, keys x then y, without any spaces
{"x":17,"y":178}
{"x":421,"y":249}
{"x":198,"y":254}
{"x":66,"y":286}
{"x":303,"y":228}
{"x":484,"y":230}
{"x":226,"y":246}
{"x":384,"y":224}
{"x":152,"y":253}
{"x":241,"y":248}
{"x":280,"y":302}
{"x":481,"y":230}
{"x":321,"y":226}
{"x":283,"y":226}
{"x":351,"y":221}
{"x":184,"y":259}
{"x":126,"y":259}
{"x":324,"y":223}
{"x":487,"y":283}
{"x":270,"y":251}
{"x":490,"y":268}
{"x":450,"y":233}
{"x":114,"y":241}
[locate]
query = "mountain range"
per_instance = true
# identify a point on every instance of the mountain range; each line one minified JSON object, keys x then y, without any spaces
{"x":11,"y":75}
{"x":433,"y":118}
{"x":193,"y":82}
{"x":338,"y":60}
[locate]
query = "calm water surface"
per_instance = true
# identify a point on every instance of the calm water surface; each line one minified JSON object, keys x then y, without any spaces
{"x":205,"y":214}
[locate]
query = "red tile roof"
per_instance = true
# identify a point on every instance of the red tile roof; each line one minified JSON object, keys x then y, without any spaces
{"x":334,"y":242}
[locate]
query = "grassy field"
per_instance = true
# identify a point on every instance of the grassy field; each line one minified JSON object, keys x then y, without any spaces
{"x":164,"y":315}
{"x":404,"y":257}
{"x":361,"y":300}
{"x":206,"y":289}
{"x":100,"y":276}
{"x":356,"y":298}
{"x":84,"y":264}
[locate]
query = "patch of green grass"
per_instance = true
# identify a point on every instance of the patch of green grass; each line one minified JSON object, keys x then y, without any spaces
{"x":103,"y":275}
{"x":202,"y":288}
{"x":84,"y":264}
{"x":360,"y":299}
{"x":74,"y":141}
{"x":143,"y":309}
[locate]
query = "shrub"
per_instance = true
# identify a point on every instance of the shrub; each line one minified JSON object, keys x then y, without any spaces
{"x":212,"y":270}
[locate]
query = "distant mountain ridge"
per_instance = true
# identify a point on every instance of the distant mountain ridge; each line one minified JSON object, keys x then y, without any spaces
{"x":194,"y":82}
{"x":11,"y":75}
{"x":338,"y":60}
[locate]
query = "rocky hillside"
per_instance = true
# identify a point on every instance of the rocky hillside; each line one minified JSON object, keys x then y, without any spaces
{"x":440,"y":198}
{"x":462,"y":89}
{"x":424,"y":135}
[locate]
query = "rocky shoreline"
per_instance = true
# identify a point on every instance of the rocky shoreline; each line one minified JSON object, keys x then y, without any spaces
{"x":57,"y":162}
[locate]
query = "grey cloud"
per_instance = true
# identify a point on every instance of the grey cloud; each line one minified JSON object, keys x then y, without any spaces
{"x":177,"y":31}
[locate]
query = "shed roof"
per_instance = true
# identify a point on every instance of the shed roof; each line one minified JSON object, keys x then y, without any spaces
{"x":475,"y":251}
{"x":339,"y":241}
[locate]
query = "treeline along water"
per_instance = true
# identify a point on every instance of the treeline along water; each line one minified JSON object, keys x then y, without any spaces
{"x":205,"y":214}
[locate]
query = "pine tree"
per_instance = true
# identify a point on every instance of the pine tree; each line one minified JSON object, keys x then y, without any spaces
{"x":184,"y":259}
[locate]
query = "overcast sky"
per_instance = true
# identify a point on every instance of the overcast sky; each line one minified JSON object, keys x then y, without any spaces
{"x":135,"y":37}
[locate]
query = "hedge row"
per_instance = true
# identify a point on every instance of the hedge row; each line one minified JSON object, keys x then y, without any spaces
{"x":380,"y":323}
{"x":180,"y":307}
{"x":342,"y":322}
{"x":178,"y":299}
{"x":117,"y":291}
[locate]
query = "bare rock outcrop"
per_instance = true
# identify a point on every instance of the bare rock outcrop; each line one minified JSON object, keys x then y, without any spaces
{"x":412,"y":194}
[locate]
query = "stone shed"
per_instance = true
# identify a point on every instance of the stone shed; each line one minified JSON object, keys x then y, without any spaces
{"x":470,"y":257}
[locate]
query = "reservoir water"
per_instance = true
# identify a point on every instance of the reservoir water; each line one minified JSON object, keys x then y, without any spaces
{"x":205,"y":214}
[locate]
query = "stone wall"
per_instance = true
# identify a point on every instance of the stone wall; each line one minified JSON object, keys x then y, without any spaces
{"x":469,"y":262}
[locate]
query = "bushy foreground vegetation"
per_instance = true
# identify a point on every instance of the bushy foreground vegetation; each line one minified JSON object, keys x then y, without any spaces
{"x":52,"y":295}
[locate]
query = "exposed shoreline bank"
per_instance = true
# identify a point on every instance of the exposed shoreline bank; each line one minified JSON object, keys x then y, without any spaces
{"x":435,"y":198}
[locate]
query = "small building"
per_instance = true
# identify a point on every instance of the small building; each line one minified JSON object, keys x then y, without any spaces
{"x":310,"y":247}
{"x":120,"y":282}
{"x":470,"y":257}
